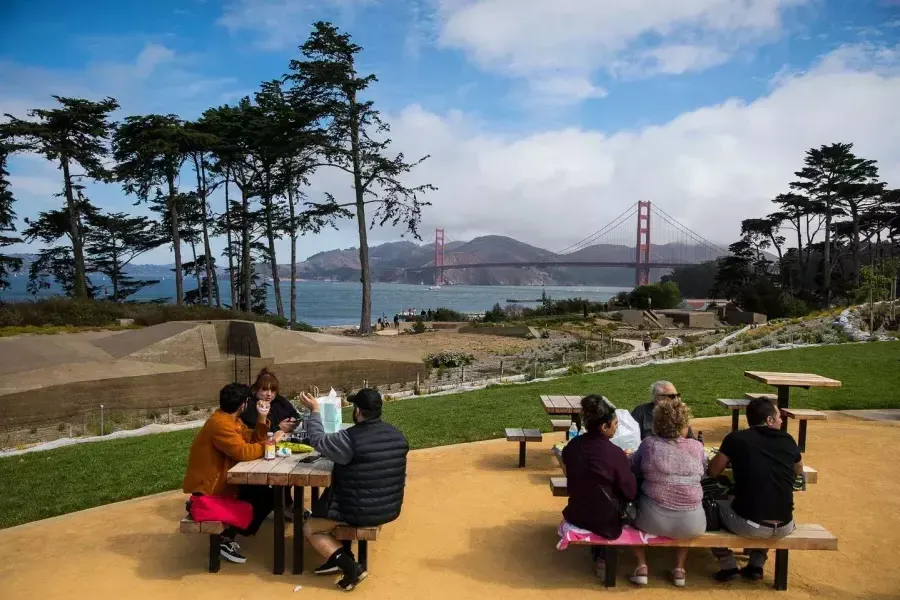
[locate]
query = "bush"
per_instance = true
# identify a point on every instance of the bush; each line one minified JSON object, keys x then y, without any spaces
{"x":495,"y":314}
{"x":418,"y":326}
{"x":449,"y":360}
{"x":576,"y":369}
{"x":447,"y":314}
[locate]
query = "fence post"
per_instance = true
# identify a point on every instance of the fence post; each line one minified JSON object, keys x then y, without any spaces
{"x":535,"y":369}
{"x":585,"y":352}
{"x":501,"y":371}
{"x":417,"y":381}
{"x":170,"y":414}
{"x":101,"y":420}
{"x":463,"y":373}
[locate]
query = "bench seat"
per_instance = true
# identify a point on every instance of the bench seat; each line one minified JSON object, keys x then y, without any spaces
{"x":806,"y":536}
{"x":214,"y":530}
{"x":561,"y":424}
{"x":362,"y":536}
{"x":523,"y":436}
{"x":803,"y":415}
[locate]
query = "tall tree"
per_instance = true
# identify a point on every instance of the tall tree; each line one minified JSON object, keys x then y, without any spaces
{"x":200,"y":144}
{"x":112,"y":242}
{"x":355,"y":142}
{"x":149,"y":151}
{"x":73,"y":134}
{"x":8,"y":264}
{"x":828,"y":172}
{"x":59,"y":262}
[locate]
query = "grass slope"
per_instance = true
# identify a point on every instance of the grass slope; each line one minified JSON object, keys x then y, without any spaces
{"x":44,"y":484}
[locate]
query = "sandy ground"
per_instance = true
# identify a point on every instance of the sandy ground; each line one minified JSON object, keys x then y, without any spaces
{"x":473,"y":527}
{"x":480,"y":346}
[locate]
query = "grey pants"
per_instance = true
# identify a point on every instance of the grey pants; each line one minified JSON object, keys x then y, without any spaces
{"x":675,"y":524}
{"x":748,"y":529}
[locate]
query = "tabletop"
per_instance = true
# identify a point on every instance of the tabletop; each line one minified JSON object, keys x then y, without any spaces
{"x":285,"y":471}
{"x":561,"y":405}
{"x":792,"y":379}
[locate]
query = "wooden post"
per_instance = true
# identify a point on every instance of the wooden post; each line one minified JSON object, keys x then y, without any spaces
{"x":501,"y":371}
{"x":463,"y":374}
{"x":170,"y":414}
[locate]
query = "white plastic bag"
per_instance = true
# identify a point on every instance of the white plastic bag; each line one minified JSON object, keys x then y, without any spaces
{"x":330,"y":407}
{"x":628,"y":435}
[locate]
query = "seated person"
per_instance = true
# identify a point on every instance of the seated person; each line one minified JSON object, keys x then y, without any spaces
{"x":765,"y":462}
{"x":643,"y":413}
{"x":282,"y":416}
{"x":599,"y":476}
{"x":670,"y":466}
{"x":222,"y":442}
{"x":367,"y":483}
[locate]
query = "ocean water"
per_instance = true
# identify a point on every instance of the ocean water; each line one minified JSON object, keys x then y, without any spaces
{"x":323,"y":303}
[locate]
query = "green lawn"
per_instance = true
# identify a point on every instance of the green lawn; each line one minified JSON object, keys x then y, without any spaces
{"x":44,"y":484}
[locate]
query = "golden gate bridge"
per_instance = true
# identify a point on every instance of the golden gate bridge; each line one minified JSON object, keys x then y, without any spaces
{"x":625,"y":242}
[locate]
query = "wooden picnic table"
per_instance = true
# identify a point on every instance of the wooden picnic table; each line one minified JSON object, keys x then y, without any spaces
{"x":284,"y":473}
{"x":564,"y":405}
{"x":783,"y":382}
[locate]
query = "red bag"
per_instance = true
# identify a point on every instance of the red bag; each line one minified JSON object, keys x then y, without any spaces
{"x":220,"y":508}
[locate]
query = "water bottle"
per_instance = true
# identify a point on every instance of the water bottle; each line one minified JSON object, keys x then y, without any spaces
{"x":270,"y":446}
{"x":573,"y":431}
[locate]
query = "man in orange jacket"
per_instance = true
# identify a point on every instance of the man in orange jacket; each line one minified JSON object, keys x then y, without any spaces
{"x":222,"y":442}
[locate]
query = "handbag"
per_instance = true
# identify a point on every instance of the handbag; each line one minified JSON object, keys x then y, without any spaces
{"x":221,"y":508}
{"x":714,"y":489}
{"x":627,"y":512}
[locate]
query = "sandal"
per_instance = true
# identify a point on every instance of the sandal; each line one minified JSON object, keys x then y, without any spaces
{"x":639,"y":577}
{"x":678,"y":577}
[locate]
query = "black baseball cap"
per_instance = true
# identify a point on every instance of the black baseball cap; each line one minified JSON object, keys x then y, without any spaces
{"x":367,"y":399}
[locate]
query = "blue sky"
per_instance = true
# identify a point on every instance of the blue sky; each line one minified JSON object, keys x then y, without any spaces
{"x":534,"y":112}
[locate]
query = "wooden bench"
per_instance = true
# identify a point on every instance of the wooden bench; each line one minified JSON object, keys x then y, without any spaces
{"x":773,"y":398}
{"x":561,"y":425}
{"x":212,"y":528}
{"x":804,"y":537}
{"x":735,"y":406}
{"x":362,"y":536}
{"x":522,"y":436}
{"x":803,"y":415}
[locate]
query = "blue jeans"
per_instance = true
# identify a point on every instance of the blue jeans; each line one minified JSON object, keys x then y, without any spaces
{"x":748,"y":529}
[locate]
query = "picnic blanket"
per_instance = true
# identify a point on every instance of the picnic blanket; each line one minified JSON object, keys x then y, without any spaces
{"x":569,"y":534}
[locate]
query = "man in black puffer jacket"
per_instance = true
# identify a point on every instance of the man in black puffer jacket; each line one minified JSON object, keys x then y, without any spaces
{"x":367,"y":483}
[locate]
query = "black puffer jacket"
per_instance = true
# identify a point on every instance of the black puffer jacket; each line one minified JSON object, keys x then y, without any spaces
{"x":369,"y":490}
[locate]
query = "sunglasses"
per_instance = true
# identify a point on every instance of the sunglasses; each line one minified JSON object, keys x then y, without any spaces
{"x":670,"y":396}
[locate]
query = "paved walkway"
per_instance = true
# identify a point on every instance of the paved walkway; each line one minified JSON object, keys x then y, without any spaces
{"x":473,"y":527}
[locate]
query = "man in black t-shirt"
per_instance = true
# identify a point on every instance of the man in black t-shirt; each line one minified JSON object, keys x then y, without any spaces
{"x":765,"y":461}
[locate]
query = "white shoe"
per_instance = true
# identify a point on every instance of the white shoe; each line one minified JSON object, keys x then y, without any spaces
{"x":678,"y":577}
{"x":637,"y":578}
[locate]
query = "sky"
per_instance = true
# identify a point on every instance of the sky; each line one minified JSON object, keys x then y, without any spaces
{"x":543,"y":119}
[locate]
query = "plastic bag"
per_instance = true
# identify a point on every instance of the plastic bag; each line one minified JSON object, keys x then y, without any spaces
{"x":330,"y":406}
{"x":628,"y":435}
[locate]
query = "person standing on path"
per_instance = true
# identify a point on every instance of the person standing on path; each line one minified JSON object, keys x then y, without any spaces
{"x":647,"y":342}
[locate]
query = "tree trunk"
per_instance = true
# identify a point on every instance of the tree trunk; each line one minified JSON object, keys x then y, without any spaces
{"x":75,"y":233}
{"x":854,"y":243}
{"x":293,"y":255}
{"x":201,"y":189}
{"x":229,"y":249}
{"x":197,"y":274}
{"x":273,"y":260}
{"x":365,"y":319}
{"x":826,"y":255}
{"x":176,"y":240}
{"x":246,"y":267}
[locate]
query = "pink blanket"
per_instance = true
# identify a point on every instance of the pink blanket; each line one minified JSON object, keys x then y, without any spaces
{"x":569,"y":534}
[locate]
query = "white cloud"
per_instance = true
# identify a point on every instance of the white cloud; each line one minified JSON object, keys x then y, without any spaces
{"x":563,"y":89}
{"x":281,"y":24}
{"x":710,"y":168}
{"x":579,"y":37}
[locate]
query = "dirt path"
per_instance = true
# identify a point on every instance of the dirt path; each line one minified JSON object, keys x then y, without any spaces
{"x":473,"y":527}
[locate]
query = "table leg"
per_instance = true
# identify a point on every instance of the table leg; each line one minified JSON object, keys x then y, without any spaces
{"x":313,"y":497}
{"x":801,"y":438}
{"x":521,"y":455}
{"x":577,"y":418}
{"x":781,"y":570}
{"x":612,"y":562}
{"x":784,"y":401}
{"x":278,"y":568}
{"x":299,"y":503}
{"x":735,"y":420}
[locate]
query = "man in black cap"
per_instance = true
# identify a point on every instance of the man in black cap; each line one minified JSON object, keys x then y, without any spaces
{"x":366,"y":485}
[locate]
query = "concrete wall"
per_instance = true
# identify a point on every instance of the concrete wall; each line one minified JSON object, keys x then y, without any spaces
{"x":740,"y":317}
{"x":692,"y":319}
{"x":186,"y":388}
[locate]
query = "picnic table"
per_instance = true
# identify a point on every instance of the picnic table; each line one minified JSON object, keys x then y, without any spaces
{"x":281,"y":473}
{"x":563,"y":405}
{"x":783,"y":382}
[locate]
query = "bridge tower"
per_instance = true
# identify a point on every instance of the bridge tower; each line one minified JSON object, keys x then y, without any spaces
{"x":642,"y":260}
{"x":438,"y":256}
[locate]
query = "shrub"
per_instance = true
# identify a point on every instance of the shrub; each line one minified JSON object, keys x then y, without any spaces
{"x":495,"y":314}
{"x":447,"y":314}
{"x":418,"y":326}
{"x":449,"y":359}
{"x":576,"y":369}
{"x":545,"y":335}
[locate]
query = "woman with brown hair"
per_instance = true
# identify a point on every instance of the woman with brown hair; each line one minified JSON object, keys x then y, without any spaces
{"x":599,"y":476}
{"x":671,"y":465}
{"x":282,"y":417}
{"x":282,"y":414}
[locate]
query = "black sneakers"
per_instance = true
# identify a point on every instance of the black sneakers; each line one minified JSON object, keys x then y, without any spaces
{"x":752,"y":573}
{"x":727,"y":574}
{"x":350,"y":582}
{"x":330,"y":566}
{"x":230,"y":550}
